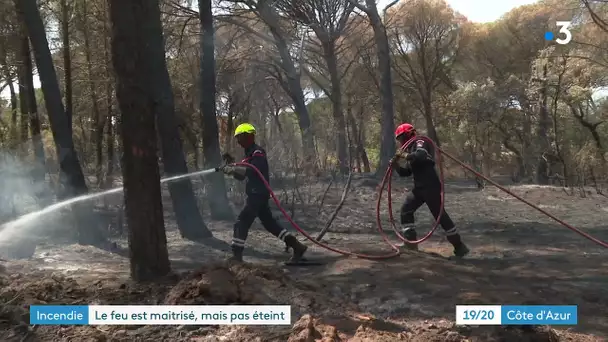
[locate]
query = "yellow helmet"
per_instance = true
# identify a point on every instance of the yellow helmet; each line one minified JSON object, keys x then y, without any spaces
{"x":244,"y":128}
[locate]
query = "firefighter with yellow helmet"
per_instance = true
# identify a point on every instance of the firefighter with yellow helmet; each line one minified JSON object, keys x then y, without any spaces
{"x":258,"y":195}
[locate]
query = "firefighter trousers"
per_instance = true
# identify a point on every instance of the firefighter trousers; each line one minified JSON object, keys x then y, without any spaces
{"x":430,"y":196}
{"x":255,"y":206}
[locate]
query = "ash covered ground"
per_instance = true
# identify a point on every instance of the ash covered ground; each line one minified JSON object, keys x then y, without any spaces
{"x":518,"y":256}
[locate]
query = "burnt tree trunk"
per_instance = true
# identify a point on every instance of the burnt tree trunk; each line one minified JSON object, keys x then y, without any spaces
{"x":23,"y":91}
{"x":292,"y":83}
{"x":32,"y":107}
{"x":217,"y":196}
{"x":71,"y":175}
{"x":71,"y":171}
{"x":110,"y":118}
{"x":387,"y":145}
{"x":67,"y":60}
{"x":131,"y":44}
{"x":98,"y":122}
{"x":23,"y":101}
{"x":30,"y":121}
{"x":329,"y":54}
{"x":187,"y":214}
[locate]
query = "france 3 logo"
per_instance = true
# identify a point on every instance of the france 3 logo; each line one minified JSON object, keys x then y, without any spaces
{"x":563,"y":31}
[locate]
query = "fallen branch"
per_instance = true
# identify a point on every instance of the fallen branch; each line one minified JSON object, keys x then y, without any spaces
{"x":335,"y":213}
{"x":322,"y":199}
{"x":17,"y":296}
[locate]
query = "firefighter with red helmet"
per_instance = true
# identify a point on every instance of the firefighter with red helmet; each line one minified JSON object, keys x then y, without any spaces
{"x":418,"y":161}
{"x":258,"y":195}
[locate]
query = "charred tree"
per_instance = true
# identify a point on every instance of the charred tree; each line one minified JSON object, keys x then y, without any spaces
{"x":71,"y":175}
{"x":67,"y":60}
{"x":218,"y":199}
{"x":133,"y":36}
{"x":98,"y":120}
{"x":189,"y":219}
{"x":31,"y":104}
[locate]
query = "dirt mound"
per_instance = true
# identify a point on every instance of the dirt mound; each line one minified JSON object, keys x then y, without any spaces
{"x":225,"y":283}
{"x":370,"y":329}
{"x":47,"y":289}
{"x":355,"y":329}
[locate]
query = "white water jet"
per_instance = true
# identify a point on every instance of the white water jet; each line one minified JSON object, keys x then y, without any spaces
{"x":12,"y":229}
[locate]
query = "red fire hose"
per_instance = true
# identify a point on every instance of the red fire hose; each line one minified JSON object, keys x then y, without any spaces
{"x":563,"y":223}
{"x":389,"y":177}
{"x":396,"y":251}
{"x":386,"y":183}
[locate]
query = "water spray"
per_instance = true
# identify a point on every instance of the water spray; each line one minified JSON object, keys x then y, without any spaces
{"x":12,"y":229}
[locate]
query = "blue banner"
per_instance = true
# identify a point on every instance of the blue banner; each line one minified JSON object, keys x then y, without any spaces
{"x":516,"y":315}
{"x":59,"y":314}
{"x":539,"y":315}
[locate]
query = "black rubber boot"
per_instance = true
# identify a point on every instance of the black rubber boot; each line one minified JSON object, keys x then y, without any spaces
{"x":298,"y":248}
{"x":410,"y":235}
{"x":237,"y":254}
{"x":460,"y":249}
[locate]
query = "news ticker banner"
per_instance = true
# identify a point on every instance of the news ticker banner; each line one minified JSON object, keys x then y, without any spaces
{"x":273,"y":314}
{"x":160,"y":314}
{"x":516,"y":314}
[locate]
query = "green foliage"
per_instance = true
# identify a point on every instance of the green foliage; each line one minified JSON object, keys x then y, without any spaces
{"x":482,"y":85}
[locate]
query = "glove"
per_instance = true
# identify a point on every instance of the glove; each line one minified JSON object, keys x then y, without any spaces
{"x":400,"y":154}
{"x":396,"y":163}
{"x":228,"y":169}
{"x":235,"y":171}
{"x":410,"y":156}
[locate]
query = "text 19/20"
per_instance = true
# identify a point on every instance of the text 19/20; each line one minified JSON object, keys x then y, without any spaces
{"x":478,"y":315}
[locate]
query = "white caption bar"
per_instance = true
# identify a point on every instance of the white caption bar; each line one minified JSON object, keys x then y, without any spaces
{"x":189,"y":314}
{"x":478,"y":314}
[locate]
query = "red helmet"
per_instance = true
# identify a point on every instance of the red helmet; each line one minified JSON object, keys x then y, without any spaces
{"x":404,"y":128}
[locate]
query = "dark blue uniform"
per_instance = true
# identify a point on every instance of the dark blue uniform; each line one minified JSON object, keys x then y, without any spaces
{"x":420,"y":163}
{"x":256,"y":204}
{"x":256,"y":156}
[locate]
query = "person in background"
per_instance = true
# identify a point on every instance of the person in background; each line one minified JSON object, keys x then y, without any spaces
{"x":418,"y":161}
{"x":258,"y":195}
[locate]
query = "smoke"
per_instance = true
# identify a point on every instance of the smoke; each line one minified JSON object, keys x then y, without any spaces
{"x":19,"y":191}
{"x":22,"y":190}
{"x":24,"y":225}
